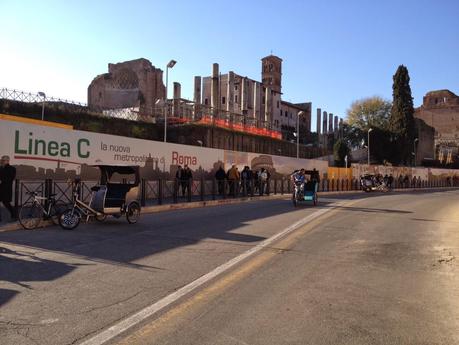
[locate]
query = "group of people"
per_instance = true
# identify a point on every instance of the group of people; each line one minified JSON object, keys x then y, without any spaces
{"x":184,"y":176}
{"x":403,"y":181}
{"x":7,"y":176}
{"x":406,"y":182}
{"x":247,"y":180}
{"x":387,"y":179}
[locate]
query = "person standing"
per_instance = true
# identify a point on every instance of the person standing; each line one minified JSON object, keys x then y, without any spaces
{"x":263,"y":180}
{"x":246,"y":177}
{"x":233,"y":178}
{"x":390,"y":181}
{"x":7,"y":176}
{"x":185,"y":179}
{"x":178,"y":178}
{"x":220,"y":176}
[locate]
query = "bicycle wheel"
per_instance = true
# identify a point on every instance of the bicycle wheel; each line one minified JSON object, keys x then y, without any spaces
{"x":30,"y":215}
{"x":133,"y":213}
{"x":69,"y":219}
{"x":56,"y":210}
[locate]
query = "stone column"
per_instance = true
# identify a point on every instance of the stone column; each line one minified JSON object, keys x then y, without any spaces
{"x":244,"y":94}
{"x":267,"y":105}
{"x":335,"y":126}
{"x":319,"y":116}
{"x":324,"y":123}
{"x":197,"y":98}
{"x":256,"y":100}
{"x":230,"y":92}
{"x":330,"y":123}
{"x":214,"y":90}
{"x":324,"y":129}
{"x":176,"y":102}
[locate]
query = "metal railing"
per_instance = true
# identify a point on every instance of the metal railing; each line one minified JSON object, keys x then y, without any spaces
{"x":30,"y":97}
{"x":162,"y":191}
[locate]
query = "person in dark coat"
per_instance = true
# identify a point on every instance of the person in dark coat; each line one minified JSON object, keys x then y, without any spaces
{"x":246,"y":177}
{"x":178,"y":177}
{"x":7,"y":176}
{"x":220,"y":176}
{"x":185,"y":179}
{"x":390,"y":181}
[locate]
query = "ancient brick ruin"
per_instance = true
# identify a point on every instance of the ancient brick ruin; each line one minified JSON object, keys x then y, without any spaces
{"x":129,"y":84}
{"x":440,"y":110}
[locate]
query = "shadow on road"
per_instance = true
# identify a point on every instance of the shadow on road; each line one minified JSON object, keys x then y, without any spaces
{"x":118,"y":243}
{"x":19,"y":269}
{"x":6,"y":295}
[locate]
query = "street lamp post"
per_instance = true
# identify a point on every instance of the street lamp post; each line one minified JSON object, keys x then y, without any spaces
{"x":43,"y":95}
{"x":169,"y":65}
{"x":414,"y":145}
{"x":300,"y":113}
{"x":369,"y":146}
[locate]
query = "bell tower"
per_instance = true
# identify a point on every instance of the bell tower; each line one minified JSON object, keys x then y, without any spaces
{"x":271,"y":72}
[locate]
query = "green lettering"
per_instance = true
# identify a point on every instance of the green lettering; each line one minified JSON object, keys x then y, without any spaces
{"x":16,"y":144}
{"x":30,"y":143}
{"x":53,"y":148}
{"x":80,"y":152}
{"x":43,"y":147}
{"x":65,"y":150}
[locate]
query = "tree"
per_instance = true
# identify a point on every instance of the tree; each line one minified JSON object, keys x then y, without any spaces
{"x":402,"y":114}
{"x":371,"y":112}
{"x":340,"y":151}
{"x":354,"y":136}
{"x":382,"y":147}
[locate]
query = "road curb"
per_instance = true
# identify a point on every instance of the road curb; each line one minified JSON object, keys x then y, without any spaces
{"x":210,"y":203}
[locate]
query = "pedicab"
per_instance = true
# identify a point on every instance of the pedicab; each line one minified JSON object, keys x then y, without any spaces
{"x":115,"y":195}
{"x":306,"y":191}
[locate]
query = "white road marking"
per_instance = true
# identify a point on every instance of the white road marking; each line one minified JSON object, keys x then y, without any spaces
{"x":154,"y":308}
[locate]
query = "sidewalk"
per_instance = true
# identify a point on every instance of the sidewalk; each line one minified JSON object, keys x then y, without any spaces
{"x":230,"y":201}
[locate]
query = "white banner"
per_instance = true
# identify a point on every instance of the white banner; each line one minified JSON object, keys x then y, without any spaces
{"x":41,"y":152}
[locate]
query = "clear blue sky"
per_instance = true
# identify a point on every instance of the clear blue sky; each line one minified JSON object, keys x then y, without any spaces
{"x":334,"y":51}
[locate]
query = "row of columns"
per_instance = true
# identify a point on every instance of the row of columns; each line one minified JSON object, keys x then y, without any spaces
{"x":327,"y":123}
{"x":259,"y":93}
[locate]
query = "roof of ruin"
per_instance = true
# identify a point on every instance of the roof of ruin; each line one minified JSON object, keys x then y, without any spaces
{"x":441,"y":92}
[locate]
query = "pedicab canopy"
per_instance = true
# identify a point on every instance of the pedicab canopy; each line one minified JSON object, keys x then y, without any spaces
{"x":107,"y":171}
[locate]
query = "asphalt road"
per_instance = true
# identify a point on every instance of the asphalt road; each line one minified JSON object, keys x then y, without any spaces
{"x":374,"y":270}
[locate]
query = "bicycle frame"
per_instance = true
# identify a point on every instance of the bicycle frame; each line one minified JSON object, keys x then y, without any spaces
{"x":37,"y":200}
{"x":85,"y":209}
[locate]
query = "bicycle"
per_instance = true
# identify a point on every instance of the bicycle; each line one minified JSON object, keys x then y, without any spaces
{"x":33,"y":212}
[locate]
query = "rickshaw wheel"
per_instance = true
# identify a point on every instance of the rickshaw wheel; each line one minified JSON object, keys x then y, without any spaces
{"x":133,"y":213}
{"x":56,"y":211}
{"x":69,"y":219}
{"x":101,"y":218}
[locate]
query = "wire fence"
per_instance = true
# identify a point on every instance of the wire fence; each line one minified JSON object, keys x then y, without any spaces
{"x":30,"y":97}
{"x":176,"y":111}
